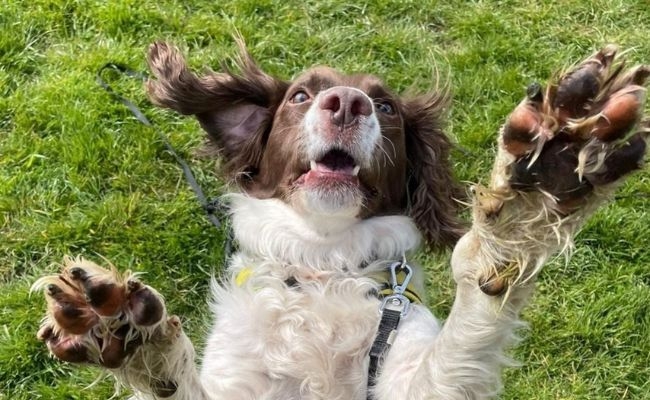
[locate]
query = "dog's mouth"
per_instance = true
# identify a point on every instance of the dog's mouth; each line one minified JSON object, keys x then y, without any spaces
{"x":336,"y":165}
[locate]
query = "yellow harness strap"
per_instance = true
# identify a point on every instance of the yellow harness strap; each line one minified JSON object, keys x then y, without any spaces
{"x":386,"y":288}
{"x":243,"y":275}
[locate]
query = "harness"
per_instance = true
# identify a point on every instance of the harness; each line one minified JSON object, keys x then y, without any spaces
{"x":396,"y":293}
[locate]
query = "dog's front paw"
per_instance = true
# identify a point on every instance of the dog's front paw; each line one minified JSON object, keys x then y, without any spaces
{"x":99,"y":316}
{"x":583,"y":132}
{"x":562,"y":152}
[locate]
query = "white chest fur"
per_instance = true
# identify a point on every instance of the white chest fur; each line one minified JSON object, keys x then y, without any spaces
{"x":272,"y":339}
{"x":309,"y":340}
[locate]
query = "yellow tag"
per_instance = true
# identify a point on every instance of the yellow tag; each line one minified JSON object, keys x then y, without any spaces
{"x":243,"y":276}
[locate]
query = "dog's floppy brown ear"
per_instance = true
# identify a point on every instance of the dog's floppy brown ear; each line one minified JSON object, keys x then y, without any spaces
{"x":432,"y":190}
{"x":235,"y":108}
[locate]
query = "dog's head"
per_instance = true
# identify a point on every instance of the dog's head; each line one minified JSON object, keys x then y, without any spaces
{"x":325,"y":143}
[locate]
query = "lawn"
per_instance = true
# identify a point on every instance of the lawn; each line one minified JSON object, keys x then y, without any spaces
{"x":79,"y":175}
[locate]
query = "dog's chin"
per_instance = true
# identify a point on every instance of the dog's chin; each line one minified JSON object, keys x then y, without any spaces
{"x":328,"y":194}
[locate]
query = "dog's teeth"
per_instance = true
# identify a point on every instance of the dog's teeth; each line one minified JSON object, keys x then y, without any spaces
{"x":312,"y":165}
{"x":356,"y":170}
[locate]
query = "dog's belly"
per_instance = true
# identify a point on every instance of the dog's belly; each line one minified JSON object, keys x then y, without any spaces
{"x":310,"y":340}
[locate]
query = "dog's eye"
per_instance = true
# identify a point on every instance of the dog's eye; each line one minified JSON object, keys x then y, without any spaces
{"x":385,"y":107}
{"x":299,"y":97}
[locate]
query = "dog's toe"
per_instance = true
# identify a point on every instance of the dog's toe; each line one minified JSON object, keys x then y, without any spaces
{"x":144,"y":304}
{"x":101,"y":288}
{"x":68,"y":307}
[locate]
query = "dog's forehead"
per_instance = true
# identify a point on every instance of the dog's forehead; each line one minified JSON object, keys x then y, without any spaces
{"x":322,"y":78}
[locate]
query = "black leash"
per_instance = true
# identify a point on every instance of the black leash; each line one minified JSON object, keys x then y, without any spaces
{"x":212,"y":208}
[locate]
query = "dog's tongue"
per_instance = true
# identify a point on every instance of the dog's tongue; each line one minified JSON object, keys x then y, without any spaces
{"x":334,"y":166}
{"x":320,"y":172}
{"x":342,"y":169}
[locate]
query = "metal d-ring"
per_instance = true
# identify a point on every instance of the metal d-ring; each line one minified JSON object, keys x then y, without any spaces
{"x":397,"y":301}
{"x":402,"y":266}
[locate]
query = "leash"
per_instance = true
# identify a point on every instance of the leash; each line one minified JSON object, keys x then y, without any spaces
{"x":394,"y":307}
{"x":213,"y":208}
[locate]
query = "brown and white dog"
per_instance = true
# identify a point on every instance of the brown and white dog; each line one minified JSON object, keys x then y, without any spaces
{"x":339,"y":178}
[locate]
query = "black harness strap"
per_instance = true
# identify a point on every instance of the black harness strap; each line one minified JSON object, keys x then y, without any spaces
{"x":381,"y":345}
{"x":395,"y":305}
{"x":213,"y":207}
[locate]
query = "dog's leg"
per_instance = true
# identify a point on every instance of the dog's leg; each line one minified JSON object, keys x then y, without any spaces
{"x":561,"y":154}
{"x":102,"y":317}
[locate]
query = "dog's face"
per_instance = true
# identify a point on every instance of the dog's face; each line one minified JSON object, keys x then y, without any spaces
{"x":326,"y":143}
{"x":336,"y":146}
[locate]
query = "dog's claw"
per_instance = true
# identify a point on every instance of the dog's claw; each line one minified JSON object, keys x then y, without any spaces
{"x":45,"y":332}
{"x":534,"y":92}
{"x":493,"y":285}
{"x":53,"y":290}
{"x":78,"y":274}
{"x":164,"y":389}
{"x":133,"y":285}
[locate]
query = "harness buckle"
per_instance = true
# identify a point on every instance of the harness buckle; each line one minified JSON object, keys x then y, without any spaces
{"x":397,"y":301}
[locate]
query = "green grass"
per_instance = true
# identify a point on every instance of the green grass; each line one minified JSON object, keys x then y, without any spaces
{"x":78,"y":174}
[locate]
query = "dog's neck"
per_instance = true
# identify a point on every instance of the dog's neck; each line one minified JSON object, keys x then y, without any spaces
{"x":270,"y":229}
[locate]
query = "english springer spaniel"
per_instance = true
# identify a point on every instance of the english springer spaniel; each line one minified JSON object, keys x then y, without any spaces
{"x":339,"y":181}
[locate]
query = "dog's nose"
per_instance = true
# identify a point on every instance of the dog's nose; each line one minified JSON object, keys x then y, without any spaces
{"x":346,"y":104}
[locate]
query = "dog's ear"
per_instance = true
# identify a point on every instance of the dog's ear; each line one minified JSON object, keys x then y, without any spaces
{"x":432,"y":191}
{"x":235,"y":108}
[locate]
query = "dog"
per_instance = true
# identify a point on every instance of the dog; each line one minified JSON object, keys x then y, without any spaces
{"x":339,"y":181}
